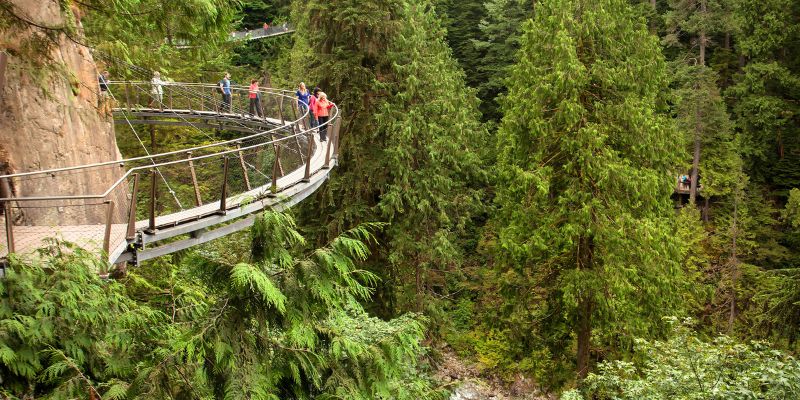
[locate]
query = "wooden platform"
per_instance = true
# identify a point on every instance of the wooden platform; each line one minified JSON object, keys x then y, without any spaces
{"x":29,"y":238}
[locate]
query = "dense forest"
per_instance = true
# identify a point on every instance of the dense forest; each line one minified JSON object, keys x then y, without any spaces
{"x":577,"y":199}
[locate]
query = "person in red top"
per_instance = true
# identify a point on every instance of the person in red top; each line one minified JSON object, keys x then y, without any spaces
{"x":322,"y":111}
{"x":255,"y":100}
{"x":312,"y":100}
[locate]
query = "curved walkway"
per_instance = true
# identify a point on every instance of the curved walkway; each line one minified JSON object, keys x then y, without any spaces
{"x":166,"y":202}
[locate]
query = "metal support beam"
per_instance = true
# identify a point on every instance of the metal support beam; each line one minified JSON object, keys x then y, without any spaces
{"x":151,"y":226}
{"x":197,"y":199}
{"x":274,"y":187}
{"x":224,"y":191}
{"x":307,"y":175}
{"x":131,"y":232}
{"x":280,"y":111}
{"x":337,"y":125}
{"x":9,"y":227}
{"x":107,"y":234}
{"x":244,"y":168}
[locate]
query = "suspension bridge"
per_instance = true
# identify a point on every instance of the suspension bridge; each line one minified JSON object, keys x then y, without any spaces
{"x":160,"y":203}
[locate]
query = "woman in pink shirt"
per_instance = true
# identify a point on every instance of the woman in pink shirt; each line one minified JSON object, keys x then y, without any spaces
{"x":255,"y":101}
{"x":322,"y":111}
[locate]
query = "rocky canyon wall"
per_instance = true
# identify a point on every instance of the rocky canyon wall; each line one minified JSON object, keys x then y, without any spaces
{"x":50,"y":118}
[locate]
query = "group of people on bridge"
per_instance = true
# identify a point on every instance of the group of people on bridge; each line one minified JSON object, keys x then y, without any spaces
{"x":318,"y":106}
{"x":315,"y":102}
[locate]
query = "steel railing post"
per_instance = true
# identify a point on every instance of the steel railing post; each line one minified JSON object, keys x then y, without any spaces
{"x":274,"y":187}
{"x":109,"y":217}
{"x":336,"y":126}
{"x":280,"y":110}
{"x":244,"y":167}
{"x":307,"y":175}
{"x":223,"y":198}
{"x":5,"y":191}
{"x":151,"y":225}
{"x":197,"y":199}
{"x":9,"y":227}
{"x":131,"y":232}
{"x":128,"y":95}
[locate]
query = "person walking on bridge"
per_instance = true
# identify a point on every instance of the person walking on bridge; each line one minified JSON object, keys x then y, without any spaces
{"x":157,"y":90}
{"x":302,"y":98}
{"x":312,"y":101}
{"x":225,"y":89}
{"x":255,"y":100}
{"x":322,"y":110}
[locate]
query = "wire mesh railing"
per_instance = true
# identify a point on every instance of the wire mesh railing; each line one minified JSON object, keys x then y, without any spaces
{"x":275,"y":151}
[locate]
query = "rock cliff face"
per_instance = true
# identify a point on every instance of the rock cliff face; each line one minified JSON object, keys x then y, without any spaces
{"x":50,"y":118}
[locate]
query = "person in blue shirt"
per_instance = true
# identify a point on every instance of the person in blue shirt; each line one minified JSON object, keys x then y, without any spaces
{"x":302,"y":98}
{"x":225,"y":88}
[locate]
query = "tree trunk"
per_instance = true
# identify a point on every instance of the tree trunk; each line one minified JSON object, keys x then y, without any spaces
{"x":695,"y":163}
{"x":419,"y":288}
{"x":703,"y":36}
{"x":584,"y":337}
{"x":734,"y":266}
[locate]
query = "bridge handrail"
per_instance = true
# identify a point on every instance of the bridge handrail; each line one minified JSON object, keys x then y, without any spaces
{"x":159,"y":155}
{"x":300,"y":132}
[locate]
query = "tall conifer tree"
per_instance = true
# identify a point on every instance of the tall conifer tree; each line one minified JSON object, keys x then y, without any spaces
{"x":586,"y":162}
{"x":408,"y":139}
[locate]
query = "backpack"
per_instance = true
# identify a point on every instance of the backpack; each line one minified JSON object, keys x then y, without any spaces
{"x":218,"y":89}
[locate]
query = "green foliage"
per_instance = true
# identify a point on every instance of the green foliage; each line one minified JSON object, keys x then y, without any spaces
{"x":287,"y":325}
{"x":184,"y":39}
{"x":584,"y":178}
{"x":687,"y":367}
{"x":64,"y":331}
{"x":410,"y":136}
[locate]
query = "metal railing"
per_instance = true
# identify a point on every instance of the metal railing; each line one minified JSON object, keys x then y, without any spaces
{"x":146,"y":193}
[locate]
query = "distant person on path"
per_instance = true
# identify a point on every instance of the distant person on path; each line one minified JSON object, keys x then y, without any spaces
{"x":322,"y":110}
{"x":255,"y":100}
{"x":225,"y":89}
{"x":302,"y":98}
{"x":157,"y":90}
{"x":105,"y":99}
{"x":266,"y":26}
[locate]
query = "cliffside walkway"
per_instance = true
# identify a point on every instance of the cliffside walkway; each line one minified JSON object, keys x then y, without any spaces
{"x":262,"y":33}
{"x":160,"y":203}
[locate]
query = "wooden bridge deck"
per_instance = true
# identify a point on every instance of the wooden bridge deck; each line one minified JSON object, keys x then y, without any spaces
{"x":29,"y":238}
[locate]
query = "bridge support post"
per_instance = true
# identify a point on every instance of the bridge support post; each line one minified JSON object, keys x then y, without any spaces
{"x":107,"y":234}
{"x":197,"y":199}
{"x":336,"y":126}
{"x":275,"y":164}
{"x":280,"y":111}
{"x":244,"y":167}
{"x":307,"y":176}
{"x":131,"y":232}
{"x":295,"y":113}
{"x":151,"y":225}
{"x":223,"y":207}
{"x":128,"y":96}
{"x":5,"y":191}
